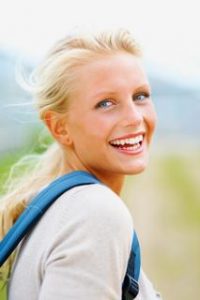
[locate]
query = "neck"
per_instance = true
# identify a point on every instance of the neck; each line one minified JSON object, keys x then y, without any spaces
{"x":112,"y":180}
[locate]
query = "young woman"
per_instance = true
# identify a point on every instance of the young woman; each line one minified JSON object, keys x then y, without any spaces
{"x":94,"y":96}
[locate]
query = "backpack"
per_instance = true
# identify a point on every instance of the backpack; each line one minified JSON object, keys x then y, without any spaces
{"x":42,"y":201}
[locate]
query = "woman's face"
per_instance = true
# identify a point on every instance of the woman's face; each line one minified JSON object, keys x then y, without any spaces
{"x":111,"y":117}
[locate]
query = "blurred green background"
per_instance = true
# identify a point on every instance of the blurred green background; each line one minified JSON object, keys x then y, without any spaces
{"x":165,"y":199}
{"x":165,"y":205}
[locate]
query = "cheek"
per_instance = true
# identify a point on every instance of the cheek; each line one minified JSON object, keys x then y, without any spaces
{"x":151,"y":119}
{"x":98,"y":128}
{"x":91,"y":133}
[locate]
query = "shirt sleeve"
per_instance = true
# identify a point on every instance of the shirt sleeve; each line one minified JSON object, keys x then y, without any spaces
{"x":147,"y":291}
{"x":88,"y":256}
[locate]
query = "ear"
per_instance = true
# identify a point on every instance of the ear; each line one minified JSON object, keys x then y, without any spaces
{"x":58,"y":127}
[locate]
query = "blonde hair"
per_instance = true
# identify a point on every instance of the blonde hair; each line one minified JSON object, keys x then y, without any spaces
{"x":51,"y":84}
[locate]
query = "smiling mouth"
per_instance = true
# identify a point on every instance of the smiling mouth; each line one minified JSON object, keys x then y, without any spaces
{"x":128,"y":144}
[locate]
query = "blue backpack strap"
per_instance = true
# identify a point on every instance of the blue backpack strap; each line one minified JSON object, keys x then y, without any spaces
{"x":42,"y":202}
{"x":130,"y":287}
{"x":37,"y":208}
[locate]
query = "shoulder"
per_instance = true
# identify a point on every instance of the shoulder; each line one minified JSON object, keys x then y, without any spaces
{"x":87,"y":228}
{"x":85,"y":237}
{"x":97,"y":196}
{"x":85,"y":213}
{"x":94,"y":224}
{"x":91,"y":205}
{"x":92,"y":213}
{"x":97,"y":202}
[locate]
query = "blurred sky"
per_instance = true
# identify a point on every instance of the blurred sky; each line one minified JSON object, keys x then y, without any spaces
{"x":168,"y":30}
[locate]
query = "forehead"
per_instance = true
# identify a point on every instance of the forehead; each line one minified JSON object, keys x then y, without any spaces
{"x":120,"y":71}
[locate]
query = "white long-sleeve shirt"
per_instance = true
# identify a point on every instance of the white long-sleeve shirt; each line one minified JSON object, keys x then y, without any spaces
{"x":78,"y":250}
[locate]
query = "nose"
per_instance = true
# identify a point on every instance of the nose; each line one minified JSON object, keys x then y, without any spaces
{"x":132,"y":114}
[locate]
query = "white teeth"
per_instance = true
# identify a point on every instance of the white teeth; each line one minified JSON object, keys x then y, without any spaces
{"x":132,"y":141}
{"x":127,"y":141}
{"x":135,"y":147}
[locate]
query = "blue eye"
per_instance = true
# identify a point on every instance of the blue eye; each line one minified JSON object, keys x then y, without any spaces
{"x":104,"y":104}
{"x":141,"y":97}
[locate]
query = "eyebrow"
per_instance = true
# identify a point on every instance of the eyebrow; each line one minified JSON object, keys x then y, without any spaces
{"x":111,"y":93}
{"x":143,"y":87}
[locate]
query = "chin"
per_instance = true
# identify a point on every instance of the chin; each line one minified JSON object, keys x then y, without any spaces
{"x":135,"y":171}
{"x":137,"y":168}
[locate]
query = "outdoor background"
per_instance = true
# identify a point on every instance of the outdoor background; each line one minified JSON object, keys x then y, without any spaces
{"x":164,"y":200}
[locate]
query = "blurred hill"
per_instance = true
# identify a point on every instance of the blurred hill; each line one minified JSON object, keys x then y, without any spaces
{"x":177,"y":105}
{"x":16,"y":120}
